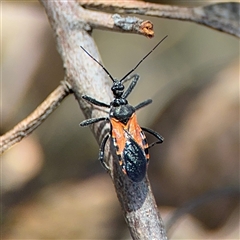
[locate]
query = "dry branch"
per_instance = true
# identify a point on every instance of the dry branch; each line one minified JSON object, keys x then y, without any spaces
{"x":28,"y":125}
{"x":117,"y":23}
{"x":72,"y":26}
{"x":220,"y":16}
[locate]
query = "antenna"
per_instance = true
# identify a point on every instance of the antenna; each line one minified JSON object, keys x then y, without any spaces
{"x":108,"y":73}
{"x":143,"y":59}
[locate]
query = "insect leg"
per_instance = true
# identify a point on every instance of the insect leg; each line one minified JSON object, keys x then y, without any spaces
{"x":95,"y":102}
{"x":129,"y":78}
{"x":101,"y":152}
{"x":91,"y":121}
{"x":155,"y":134}
{"x":143,"y":104}
{"x":132,"y":85}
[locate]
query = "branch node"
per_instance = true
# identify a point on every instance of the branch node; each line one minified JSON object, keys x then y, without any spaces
{"x":66,"y":85}
{"x":133,"y":24}
{"x":147,"y":28}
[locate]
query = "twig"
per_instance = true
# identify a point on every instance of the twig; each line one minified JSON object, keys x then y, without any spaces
{"x":117,"y":23}
{"x":70,"y":22}
{"x":133,"y":24}
{"x":220,"y":16}
{"x":29,"y":124}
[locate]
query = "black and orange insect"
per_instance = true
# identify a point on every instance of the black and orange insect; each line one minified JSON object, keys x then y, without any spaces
{"x":127,"y":136}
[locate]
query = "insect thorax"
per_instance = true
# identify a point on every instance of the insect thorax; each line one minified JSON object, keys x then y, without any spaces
{"x":122,"y":113}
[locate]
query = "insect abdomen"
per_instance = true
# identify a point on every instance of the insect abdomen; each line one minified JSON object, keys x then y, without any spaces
{"x":134,"y":161}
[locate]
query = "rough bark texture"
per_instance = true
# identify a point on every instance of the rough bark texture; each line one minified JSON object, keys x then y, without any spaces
{"x":219,"y":16}
{"x":69,"y":23}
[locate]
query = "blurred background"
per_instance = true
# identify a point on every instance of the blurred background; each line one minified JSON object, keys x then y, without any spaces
{"x":53,"y":187}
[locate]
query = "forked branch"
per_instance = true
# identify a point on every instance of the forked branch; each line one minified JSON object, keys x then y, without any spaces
{"x":71,"y":25}
{"x":219,"y":16}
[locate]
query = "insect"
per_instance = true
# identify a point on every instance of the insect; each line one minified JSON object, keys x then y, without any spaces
{"x":127,"y":136}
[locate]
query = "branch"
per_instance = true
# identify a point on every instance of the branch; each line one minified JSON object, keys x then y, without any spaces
{"x":69,"y":23}
{"x":220,"y":16}
{"x":28,"y":125}
{"x":139,"y":207}
{"x":117,"y":23}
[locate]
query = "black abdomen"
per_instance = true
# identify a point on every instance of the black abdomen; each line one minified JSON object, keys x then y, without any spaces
{"x":134,"y":161}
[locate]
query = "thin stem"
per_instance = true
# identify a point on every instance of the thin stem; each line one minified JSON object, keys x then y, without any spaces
{"x":29,"y":124}
{"x":219,"y":16}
